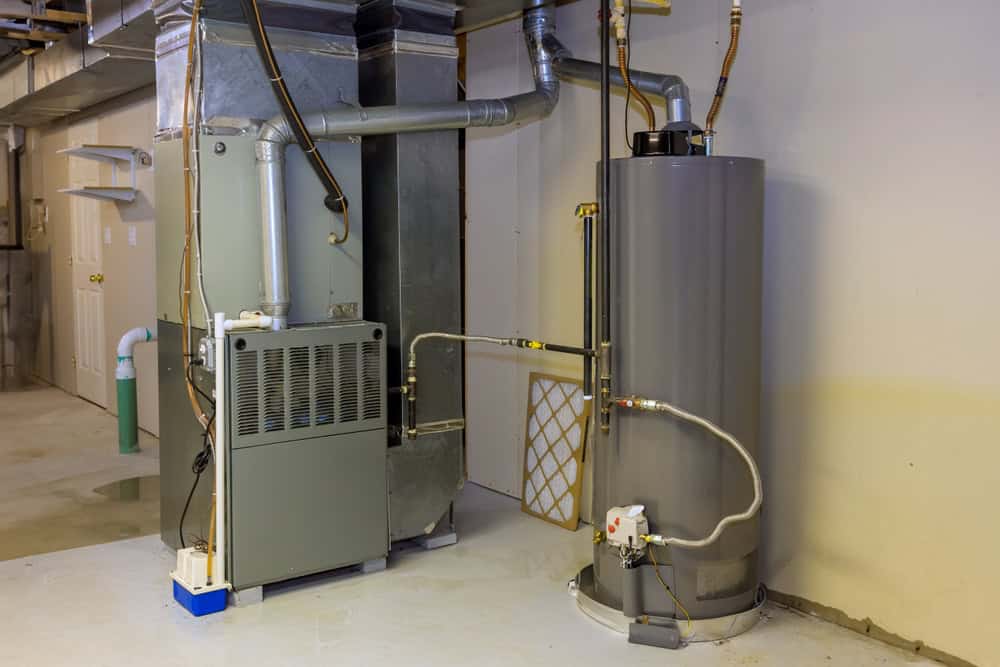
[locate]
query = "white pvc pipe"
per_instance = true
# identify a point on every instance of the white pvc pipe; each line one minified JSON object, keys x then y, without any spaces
{"x":255,"y":322}
{"x":219,"y":566}
{"x":126,"y":350}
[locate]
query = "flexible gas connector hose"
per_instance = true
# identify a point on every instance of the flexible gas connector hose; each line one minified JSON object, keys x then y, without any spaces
{"x":758,"y":490}
{"x":735,"y":23}
{"x":635,"y":92}
{"x":410,"y":387}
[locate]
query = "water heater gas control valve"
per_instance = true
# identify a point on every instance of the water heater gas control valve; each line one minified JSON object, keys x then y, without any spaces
{"x":626,"y":526}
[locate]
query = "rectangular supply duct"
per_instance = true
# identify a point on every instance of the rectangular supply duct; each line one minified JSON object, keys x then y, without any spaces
{"x":121,"y":24}
{"x":413,"y":272}
{"x":110,"y":57}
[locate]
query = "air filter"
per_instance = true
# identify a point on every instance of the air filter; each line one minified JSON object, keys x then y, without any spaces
{"x":553,"y":453}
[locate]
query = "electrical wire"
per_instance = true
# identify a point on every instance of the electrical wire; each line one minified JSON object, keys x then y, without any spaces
{"x":185,"y":295}
{"x":335,"y":200}
{"x":200,"y":274}
{"x":628,"y":66}
{"x":201,"y":392}
{"x":198,"y":466}
{"x":656,"y":571}
{"x":202,"y":459}
{"x":624,"y":60}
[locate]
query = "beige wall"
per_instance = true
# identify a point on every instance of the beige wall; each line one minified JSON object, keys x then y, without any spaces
{"x":130,"y":287}
{"x":881,"y":393}
{"x":51,"y":251}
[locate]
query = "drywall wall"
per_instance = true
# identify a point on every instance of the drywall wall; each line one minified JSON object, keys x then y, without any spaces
{"x":128,"y":238}
{"x":524,"y":254}
{"x":52,"y":274}
{"x":881,"y":395}
{"x":130,"y":256}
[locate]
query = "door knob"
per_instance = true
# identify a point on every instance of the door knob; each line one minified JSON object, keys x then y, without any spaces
{"x":97,"y":278}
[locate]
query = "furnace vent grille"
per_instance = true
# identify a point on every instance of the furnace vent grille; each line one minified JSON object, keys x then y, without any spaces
{"x":371,"y":379}
{"x":323,"y":363}
{"x":325,"y":388}
{"x":347,"y":381}
{"x":274,"y":390}
{"x":248,"y":414}
{"x":300,"y":379}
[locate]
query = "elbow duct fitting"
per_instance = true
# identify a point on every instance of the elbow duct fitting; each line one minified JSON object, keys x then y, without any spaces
{"x":276,"y":134}
{"x":670,"y":87}
{"x":128,"y":416}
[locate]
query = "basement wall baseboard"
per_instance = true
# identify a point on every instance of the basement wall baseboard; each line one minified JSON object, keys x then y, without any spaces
{"x":865,"y":627}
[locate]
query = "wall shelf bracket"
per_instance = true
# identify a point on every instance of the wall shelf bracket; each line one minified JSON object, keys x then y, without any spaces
{"x":118,"y":157}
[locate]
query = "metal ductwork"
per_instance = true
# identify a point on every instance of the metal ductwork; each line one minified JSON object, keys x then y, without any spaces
{"x":122,"y":24}
{"x":111,"y":56}
{"x":670,"y":87}
{"x":276,"y":134}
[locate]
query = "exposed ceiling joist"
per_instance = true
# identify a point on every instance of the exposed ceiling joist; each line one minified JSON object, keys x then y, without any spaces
{"x":36,"y":34}
{"x":15,"y":9}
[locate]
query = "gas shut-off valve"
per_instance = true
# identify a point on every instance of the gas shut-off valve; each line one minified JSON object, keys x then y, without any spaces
{"x":627,"y":528}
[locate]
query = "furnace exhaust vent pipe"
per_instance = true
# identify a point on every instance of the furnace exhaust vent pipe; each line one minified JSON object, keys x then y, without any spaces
{"x":670,"y":87}
{"x":276,"y":134}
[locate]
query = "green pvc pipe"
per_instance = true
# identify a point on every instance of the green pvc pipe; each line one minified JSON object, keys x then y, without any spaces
{"x":128,"y":417}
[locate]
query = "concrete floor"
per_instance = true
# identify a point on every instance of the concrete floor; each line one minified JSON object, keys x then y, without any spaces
{"x":497,"y":598}
{"x":63,"y":483}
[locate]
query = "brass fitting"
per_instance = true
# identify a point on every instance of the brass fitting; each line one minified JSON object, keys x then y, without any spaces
{"x":587,"y":209}
{"x":410,"y":392}
{"x":598,"y":537}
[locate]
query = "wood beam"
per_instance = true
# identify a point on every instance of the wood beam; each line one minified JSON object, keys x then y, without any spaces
{"x":15,"y":9}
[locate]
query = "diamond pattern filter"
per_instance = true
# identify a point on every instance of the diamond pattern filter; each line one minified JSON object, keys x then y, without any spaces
{"x":553,"y":453}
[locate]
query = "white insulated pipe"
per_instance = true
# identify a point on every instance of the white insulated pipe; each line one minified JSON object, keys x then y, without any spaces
{"x":219,"y":565}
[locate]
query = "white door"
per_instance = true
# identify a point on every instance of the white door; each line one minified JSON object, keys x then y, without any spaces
{"x":88,"y":279}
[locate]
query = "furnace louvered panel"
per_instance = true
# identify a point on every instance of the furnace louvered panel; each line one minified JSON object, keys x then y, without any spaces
{"x":323,"y":393}
{"x":371,"y":379}
{"x":273,"y":386}
{"x":313,"y":381}
{"x":246,"y":380}
{"x":347,"y":382}
{"x":300,"y":381}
